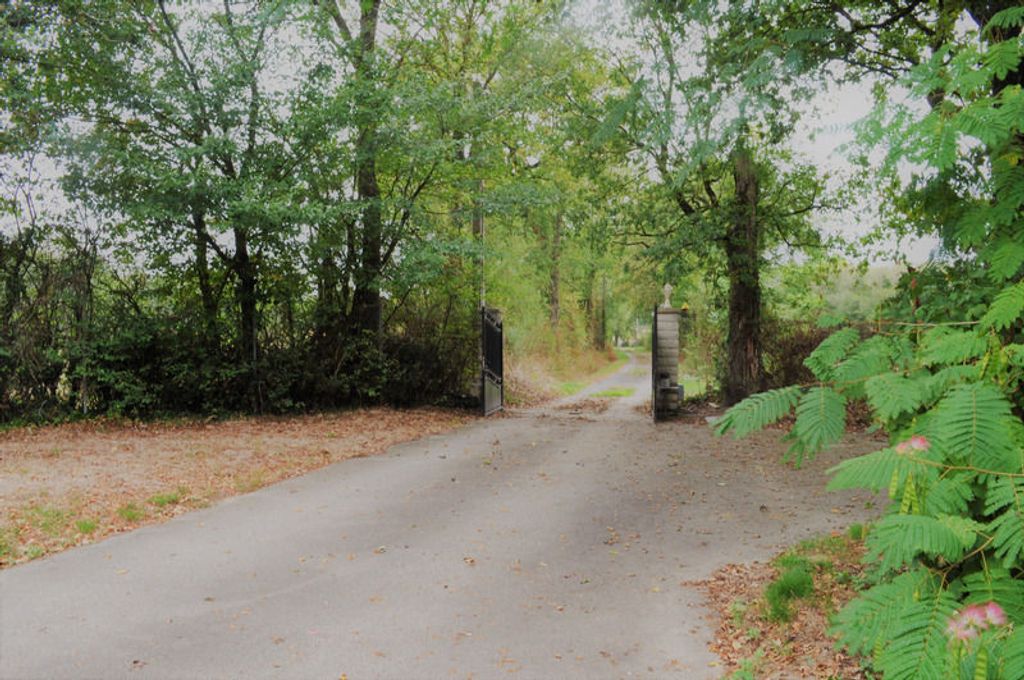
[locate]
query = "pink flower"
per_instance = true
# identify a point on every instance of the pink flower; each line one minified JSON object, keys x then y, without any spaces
{"x":994,"y":614}
{"x":920,"y":443}
{"x":917,"y":443}
{"x":959,"y":631}
{"x":975,"y":618}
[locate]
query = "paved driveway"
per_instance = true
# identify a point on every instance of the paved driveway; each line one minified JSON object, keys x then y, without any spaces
{"x":544,"y":544}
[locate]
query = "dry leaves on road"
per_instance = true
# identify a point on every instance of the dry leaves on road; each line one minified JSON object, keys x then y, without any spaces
{"x":586,"y":406}
{"x":66,"y":485}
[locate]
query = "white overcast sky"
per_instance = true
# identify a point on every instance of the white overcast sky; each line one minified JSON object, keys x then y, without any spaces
{"x":821,"y":139}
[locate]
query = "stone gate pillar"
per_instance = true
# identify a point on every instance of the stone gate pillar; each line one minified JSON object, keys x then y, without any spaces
{"x":665,"y":359}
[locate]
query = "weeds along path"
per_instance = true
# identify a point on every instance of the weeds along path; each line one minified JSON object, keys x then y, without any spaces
{"x":547,"y":543}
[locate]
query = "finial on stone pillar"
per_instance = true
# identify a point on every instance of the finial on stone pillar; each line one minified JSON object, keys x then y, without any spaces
{"x":668,"y":296}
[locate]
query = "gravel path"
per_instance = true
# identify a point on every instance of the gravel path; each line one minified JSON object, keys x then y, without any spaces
{"x":541,"y":544}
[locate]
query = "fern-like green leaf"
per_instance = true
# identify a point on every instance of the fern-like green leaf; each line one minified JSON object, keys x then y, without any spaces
{"x":878,"y":470}
{"x":949,"y":494}
{"x":896,"y":540}
{"x":1005,"y":500}
{"x":892,"y":395}
{"x":918,"y":648}
{"x":830,"y":320}
{"x":863,"y":625}
{"x":997,"y":585}
{"x":833,"y":349}
{"x":1007,"y":18}
{"x":872,"y":357}
{"x":1012,"y":653}
{"x":1013,"y":354}
{"x":820,"y":422}
{"x":758,"y":410}
{"x":936,"y":386}
{"x":945,"y":346}
{"x":1005,"y":258}
{"x":973,"y":427}
{"x":1003,"y":57}
{"x":1006,"y":309}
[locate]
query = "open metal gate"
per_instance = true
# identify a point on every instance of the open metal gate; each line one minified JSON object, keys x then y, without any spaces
{"x":654,"y":366}
{"x":492,"y":389}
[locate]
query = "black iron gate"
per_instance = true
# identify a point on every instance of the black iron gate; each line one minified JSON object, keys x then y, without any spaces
{"x":492,"y":389}
{"x":654,"y":366}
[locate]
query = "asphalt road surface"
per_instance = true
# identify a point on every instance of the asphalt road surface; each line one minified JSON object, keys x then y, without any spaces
{"x":554,"y":543}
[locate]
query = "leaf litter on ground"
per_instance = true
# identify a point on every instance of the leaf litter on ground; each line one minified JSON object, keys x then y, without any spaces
{"x":66,"y":485}
{"x":752,"y":644}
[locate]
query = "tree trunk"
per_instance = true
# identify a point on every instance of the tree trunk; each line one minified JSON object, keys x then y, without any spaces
{"x":744,"y":369}
{"x":555,"y":289}
{"x":248,"y":342}
{"x":207,"y":297}
{"x":366,"y":298}
{"x":478,"y":234}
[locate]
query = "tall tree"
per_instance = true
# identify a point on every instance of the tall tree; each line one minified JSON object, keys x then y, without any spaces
{"x":703,"y":135}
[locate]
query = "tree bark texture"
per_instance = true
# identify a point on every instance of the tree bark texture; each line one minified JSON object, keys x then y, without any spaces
{"x":366,"y":299}
{"x":555,"y":290}
{"x":248,"y":342}
{"x":206,"y":293}
{"x":744,"y":370}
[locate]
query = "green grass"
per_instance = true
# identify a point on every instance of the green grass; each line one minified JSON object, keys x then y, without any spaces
{"x":795,"y":582}
{"x":251,"y":482}
{"x":86,"y":526}
{"x":164,"y":499}
{"x":570,"y":387}
{"x":51,"y":521}
{"x":574,"y":385}
{"x":34,"y":552}
{"x":738,"y":612}
{"x":693,"y":387}
{"x":616,"y":392}
{"x":748,"y":668}
{"x":8,"y":541}
{"x":791,"y":561}
{"x":131,"y":512}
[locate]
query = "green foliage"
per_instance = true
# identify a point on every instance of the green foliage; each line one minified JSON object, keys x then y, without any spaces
{"x":820,"y":422}
{"x":795,"y":581}
{"x":1006,"y":309}
{"x":945,"y":382}
{"x":891,"y":395}
{"x":897,"y":540}
{"x":823,"y":360}
{"x":218,"y":256}
{"x":944,"y":345}
{"x":758,"y":411}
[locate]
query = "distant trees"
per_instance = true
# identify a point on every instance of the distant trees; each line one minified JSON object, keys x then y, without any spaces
{"x":729,"y":194}
{"x":269,"y":205}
